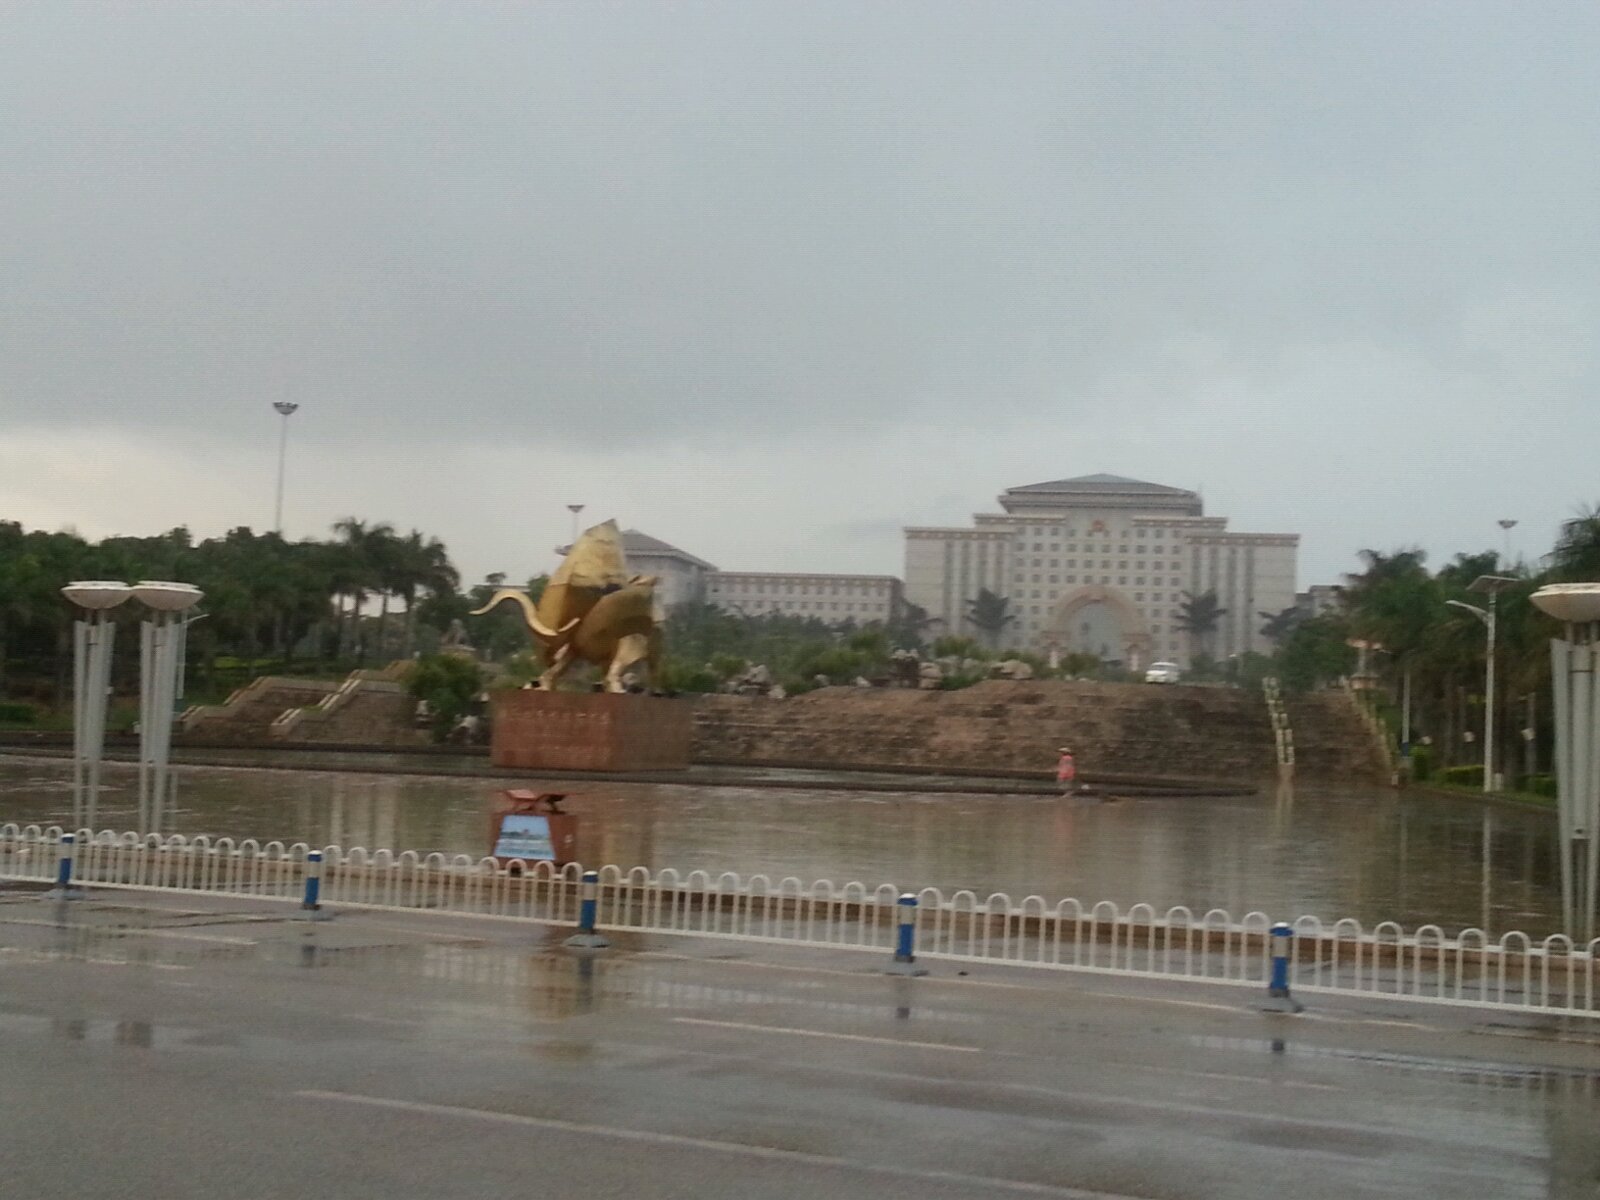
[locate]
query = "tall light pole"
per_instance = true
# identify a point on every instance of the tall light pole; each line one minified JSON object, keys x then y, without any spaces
{"x":286,"y":410}
{"x":1492,"y":586}
{"x":574,"y":509}
{"x":1507,"y":524}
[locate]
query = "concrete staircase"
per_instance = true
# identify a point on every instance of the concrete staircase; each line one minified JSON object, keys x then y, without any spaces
{"x":246,"y":715}
{"x":1335,"y":741}
{"x":369,"y":707}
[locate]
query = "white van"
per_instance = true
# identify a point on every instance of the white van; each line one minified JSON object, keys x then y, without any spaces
{"x":1162,"y":672}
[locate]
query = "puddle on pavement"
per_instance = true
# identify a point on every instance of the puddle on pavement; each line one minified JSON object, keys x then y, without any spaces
{"x":1524,"y":1076}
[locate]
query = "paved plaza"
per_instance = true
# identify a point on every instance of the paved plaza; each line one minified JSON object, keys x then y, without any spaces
{"x":179,"y":1046}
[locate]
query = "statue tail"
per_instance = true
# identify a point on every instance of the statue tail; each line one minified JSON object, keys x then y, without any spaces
{"x":529,"y":613}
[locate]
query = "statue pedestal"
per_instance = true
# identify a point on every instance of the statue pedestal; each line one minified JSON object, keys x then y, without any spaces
{"x":589,"y":731}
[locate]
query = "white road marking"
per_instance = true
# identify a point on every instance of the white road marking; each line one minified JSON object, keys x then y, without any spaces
{"x":649,"y":1137}
{"x":843,"y":1037}
{"x":1252,"y":1080}
{"x":109,"y":932}
{"x":20,"y":954}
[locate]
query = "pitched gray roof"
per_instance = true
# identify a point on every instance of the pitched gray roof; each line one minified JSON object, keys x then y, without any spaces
{"x":1102,"y":483}
{"x":635,"y":542}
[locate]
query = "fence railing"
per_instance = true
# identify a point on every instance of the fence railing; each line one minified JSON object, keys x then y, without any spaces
{"x":1512,"y":972}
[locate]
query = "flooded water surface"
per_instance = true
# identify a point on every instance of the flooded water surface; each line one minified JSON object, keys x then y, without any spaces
{"x":1371,"y":855}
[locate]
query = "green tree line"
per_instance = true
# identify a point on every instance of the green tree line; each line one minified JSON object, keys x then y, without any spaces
{"x":1403,"y":612}
{"x":363,"y":595}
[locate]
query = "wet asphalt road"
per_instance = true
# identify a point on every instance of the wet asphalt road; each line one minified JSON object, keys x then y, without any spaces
{"x":164,"y":1046}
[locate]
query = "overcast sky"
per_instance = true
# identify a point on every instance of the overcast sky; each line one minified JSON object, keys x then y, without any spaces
{"x":772,"y":280}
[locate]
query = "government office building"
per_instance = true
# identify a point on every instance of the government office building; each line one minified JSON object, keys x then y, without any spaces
{"x":1100,"y":564}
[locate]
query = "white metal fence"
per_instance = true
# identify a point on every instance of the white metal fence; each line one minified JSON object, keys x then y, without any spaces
{"x":1511,"y":972}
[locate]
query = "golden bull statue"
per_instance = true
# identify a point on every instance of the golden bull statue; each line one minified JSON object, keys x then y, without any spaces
{"x":593,"y":611}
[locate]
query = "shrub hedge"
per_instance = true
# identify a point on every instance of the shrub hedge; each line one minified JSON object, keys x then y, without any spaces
{"x":17,"y":712}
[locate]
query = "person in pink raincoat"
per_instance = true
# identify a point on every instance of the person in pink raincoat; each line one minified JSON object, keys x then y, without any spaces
{"x":1066,"y":768}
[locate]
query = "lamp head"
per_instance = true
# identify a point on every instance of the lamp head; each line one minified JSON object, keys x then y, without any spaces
{"x":1570,"y":603}
{"x":165,"y":596}
{"x":97,"y":595}
{"x":1492,"y":585}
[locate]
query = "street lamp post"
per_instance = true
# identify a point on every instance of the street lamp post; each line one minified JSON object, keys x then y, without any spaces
{"x":574,"y":509}
{"x":1507,"y":524}
{"x":1492,"y":586}
{"x":286,"y":410}
{"x":1575,"y":681}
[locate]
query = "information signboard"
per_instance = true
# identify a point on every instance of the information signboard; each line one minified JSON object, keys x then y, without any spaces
{"x":525,"y":836}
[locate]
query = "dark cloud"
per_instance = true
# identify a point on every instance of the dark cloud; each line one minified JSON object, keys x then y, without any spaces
{"x":641,"y":226}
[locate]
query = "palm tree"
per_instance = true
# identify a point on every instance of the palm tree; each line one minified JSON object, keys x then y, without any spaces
{"x":990,"y":613}
{"x":1199,"y":616}
{"x":422,"y":564}
{"x":359,"y":564}
{"x":1280,"y":625}
{"x":908,"y":630}
{"x":1577,"y":552}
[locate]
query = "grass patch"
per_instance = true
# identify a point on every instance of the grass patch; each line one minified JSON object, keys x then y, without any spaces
{"x":1465,"y":792}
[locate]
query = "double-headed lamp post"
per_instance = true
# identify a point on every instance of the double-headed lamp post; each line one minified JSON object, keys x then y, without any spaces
{"x":1491,"y":586}
{"x":1575,"y":681}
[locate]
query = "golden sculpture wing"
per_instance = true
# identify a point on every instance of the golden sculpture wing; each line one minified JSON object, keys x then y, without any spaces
{"x":596,"y":560}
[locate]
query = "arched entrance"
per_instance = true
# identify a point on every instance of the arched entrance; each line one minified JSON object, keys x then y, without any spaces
{"x":1101,"y":621}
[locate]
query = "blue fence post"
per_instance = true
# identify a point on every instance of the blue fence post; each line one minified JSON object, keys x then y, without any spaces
{"x":64,"y":889}
{"x":905,"y":941}
{"x":311,"y":904}
{"x":1278,"y":998}
{"x":586,"y":938}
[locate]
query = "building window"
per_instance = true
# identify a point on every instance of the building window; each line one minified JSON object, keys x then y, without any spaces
{"x":1054,"y":579}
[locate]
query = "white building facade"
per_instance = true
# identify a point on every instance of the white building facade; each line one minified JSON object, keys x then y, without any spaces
{"x":686,"y":579}
{"x":1101,"y":564}
{"x":832,"y":598}
{"x":682,"y":577}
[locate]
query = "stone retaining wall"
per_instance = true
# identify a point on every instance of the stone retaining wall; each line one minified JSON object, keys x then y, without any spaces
{"x":1133,"y":729}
